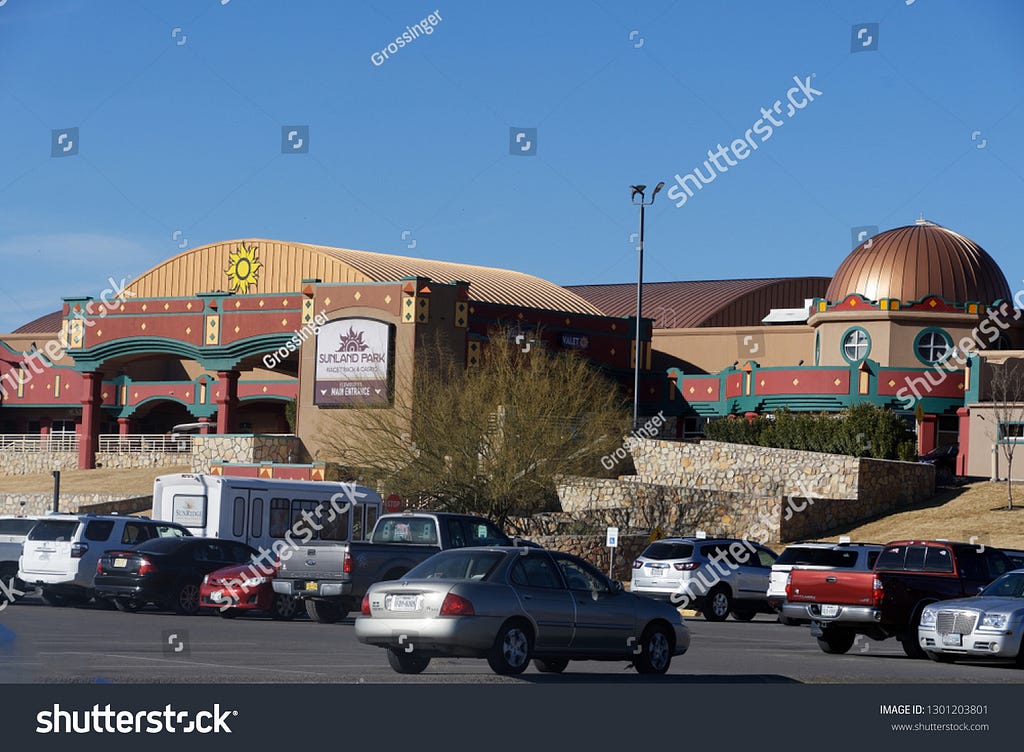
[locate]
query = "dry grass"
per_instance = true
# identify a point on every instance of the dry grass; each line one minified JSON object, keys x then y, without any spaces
{"x":122,"y":483}
{"x":975,"y":510}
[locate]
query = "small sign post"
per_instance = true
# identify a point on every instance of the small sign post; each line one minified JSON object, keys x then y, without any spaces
{"x":612,"y":542}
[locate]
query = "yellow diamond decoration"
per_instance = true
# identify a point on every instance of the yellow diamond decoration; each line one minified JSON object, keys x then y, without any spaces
{"x":358,"y":295}
{"x":692,"y":390}
{"x":188,"y":330}
{"x":932,"y":303}
{"x":762,"y":382}
{"x":892,"y":383}
{"x":264,"y":389}
{"x":710,"y":390}
{"x":167,"y":306}
{"x":188,"y":305}
{"x":99,"y":333}
{"x":387,"y":299}
{"x":960,"y":386}
{"x":237,"y":329}
{"x":260,"y":304}
{"x":837,"y":382}
{"x":284,"y":303}
{"x":796,"y":382}
{"x":238,"y":304}
{"x":144,"y":306}
{"x":143,"y":325}
{"x":327,"y":301}
{"x":853,"y":302}
{"x":284,"y":322}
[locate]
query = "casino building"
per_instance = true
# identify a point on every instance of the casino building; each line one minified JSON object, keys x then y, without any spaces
{"x":264,"y":337}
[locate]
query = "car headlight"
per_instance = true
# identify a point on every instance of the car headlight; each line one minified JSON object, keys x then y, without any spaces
{"x":928,"y":618}
{"x":993,"y":621}
{"x":206,"y":580}
{"x":252,"y":582}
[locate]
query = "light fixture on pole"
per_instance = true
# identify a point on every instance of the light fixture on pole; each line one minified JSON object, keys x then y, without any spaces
{"x":638,"y":190}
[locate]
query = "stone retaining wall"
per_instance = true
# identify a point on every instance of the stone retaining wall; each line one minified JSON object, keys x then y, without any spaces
{"x":127,"y":461}
{"x":591,"y":548}
{"x":30,"y":463}
{"x":41,"y":503}
{"x":245,"y":448}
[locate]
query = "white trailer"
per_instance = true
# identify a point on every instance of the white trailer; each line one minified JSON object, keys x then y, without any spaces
{"x":260,"y":511}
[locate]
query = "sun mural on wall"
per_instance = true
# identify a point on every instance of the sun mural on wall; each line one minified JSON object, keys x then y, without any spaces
{"x":243,"y":268}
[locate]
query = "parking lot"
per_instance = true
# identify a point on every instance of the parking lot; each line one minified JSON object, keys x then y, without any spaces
{"x":91,"y":645}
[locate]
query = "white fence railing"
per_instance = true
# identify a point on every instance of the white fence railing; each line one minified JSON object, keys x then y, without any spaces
{"x":34,"y":443}
{"x":145,"y":442}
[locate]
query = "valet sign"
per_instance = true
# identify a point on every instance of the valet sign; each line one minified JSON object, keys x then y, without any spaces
{"x":353,"y":363}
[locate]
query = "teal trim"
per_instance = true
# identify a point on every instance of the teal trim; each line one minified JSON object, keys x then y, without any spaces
{"x":842,"y":345}
{"x":973,"y":393}
{"x":215,"y":358}
{"x":929,"y":330}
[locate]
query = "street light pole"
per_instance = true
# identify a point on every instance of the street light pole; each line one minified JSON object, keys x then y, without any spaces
{"x":638,"y":190}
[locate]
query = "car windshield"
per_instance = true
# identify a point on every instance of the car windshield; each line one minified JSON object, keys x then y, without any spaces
{"x":457,"y":565}
{"x":668,"y":550}
{"x":1008,"y":586}
{"x":53,"y":530}
{"x":818,"y":557}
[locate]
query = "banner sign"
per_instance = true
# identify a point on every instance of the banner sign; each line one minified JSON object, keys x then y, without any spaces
{"x":353,"y":363}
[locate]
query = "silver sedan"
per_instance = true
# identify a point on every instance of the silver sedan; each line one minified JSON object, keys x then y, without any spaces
{"x":987,"y":625}
{"x":511,"y":605}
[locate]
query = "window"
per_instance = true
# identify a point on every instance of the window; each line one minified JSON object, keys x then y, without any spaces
{"x":661,"y":551}
{"x":168,"y":531}
{"x":455,"y":537}
{"x":53,"y":530}
{"x":580,"y":576}
{"x":765,"y":558}
{"x":16,"y":526}
{"x":279,"y":517}
{"x":371,"y":519}
{"x":98,"y":530}
{"x":189,"y":510}
{"x":257,"y":518}
{"x":1011,"y":432}
{"x":458,"y":564}
{"x":335,"y":525}
{"x":932,"y":346}
{"x":238,"y":520}
{"x":134,"y":533}
{"x":535,"y":571}
{"x":856,"y":345}
{"x":483,"y":533}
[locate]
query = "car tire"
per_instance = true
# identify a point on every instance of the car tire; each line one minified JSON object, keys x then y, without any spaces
{"x":324,"y":612}
{"x":786,"y":621}
{"x":407,"y":663}
{"x":655,"y":651}
{"x":717,"y":605}
{"x":52,"y":598}
{"x":941,"y":657}
{"x":127,"y":605}
{"x":284,"y":607}
{"x":550,"y":665}
{"x":510,"y":653}
{"x":186,"y":598}
{"x":229,"y":613}
{"x":909,"y":641}
{"x":743,"y":614}
{"x":836,"y":640}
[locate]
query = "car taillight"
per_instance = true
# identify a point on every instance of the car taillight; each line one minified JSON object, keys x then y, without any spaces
{"x":78,"y":550}
{"x":789,"y":585}
{"x":146,"y":566}
{"x":365,"y":610}
{"x":685,"y":566}
{"x":877,"y":592}
{"x":456,"y":605}
{"x":346,"y":565}
{"x":99,"y":566}
{"x":637,"y":563}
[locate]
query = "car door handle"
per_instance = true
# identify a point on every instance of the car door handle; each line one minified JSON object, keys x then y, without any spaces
{"x":831,"y":580}
{"x":527,"y":597}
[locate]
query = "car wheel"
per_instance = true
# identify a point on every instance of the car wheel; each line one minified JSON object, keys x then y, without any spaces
{"x":407,"y":663}
{"x":229,"y":613}
{"x":52,"y":598}
{"x":717,"y":605}
{"x":510,"y":653}
{"x":786,"y":621}
{"x":911,"y":645}
{"x":550,"y":665}
{"x":743,"y":614}
{"x":655,"y":651}
{"x":186,"y":600}
{"x":941,"y":657}
{"x":128,"y":605}
{"x":836,"y":640}
{"x":324,"y":612}
{"x":284,"y":608}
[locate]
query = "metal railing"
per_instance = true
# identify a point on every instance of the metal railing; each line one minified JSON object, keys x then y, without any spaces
{"x":34,"y":443}
{"x":145,"y":442}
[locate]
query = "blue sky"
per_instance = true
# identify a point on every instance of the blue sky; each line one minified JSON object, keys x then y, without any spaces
{"x":180,"y":108}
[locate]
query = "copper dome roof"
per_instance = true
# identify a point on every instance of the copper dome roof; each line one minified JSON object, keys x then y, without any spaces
{"x":910,"y":263}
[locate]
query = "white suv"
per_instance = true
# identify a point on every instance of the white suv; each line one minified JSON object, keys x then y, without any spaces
{"x":13,"y":531}
{"x":61,"y":551}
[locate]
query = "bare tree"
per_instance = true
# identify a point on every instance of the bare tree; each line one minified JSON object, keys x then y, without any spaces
{"x":1007,"y":387}
{"x":490,"y":439}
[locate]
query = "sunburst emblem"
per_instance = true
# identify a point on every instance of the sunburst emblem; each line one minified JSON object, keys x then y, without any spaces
{"x":352,"y":342}
{"x":243,"y":268}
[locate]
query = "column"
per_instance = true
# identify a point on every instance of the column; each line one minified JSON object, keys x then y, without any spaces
{"x":124,"y":426}
{"x":45,"y":424}
{"x":927,"y":433}
{"x":964,"y":414}
{"x":89,"y":427}
{"x":204,"y":428}
{"x":227,"y":400}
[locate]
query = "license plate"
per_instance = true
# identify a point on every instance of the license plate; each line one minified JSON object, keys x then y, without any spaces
{"x":311,"y":586}
{"x":405,"y":603}
{"x":953,"y":640}
{"x":657,"y":572}
{"x":120,"y":562}
{"x":829,"y":610}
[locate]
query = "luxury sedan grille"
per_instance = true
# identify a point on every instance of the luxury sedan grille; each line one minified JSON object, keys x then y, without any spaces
{"x":955,"y":622}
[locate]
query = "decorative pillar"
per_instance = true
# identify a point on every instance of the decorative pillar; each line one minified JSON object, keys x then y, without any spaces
{"x":89,"y":427}
{"x":750,"y":417}
{"x":204,"y":427}
{"x":964,"y":435}
{"x":927,"y":433}
{"x":45,"y":424}
{"x":124,"y":426}
{"x":227,"y":400}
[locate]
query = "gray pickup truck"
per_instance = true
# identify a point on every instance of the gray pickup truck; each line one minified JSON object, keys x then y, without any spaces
{"x":332,"y":578}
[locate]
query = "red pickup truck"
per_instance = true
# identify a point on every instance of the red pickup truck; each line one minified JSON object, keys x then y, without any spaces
{"x":888,"y":601}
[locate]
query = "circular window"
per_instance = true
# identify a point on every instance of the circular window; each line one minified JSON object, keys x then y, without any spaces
{"x":932,"y":346}
{"x":856,"y":345}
